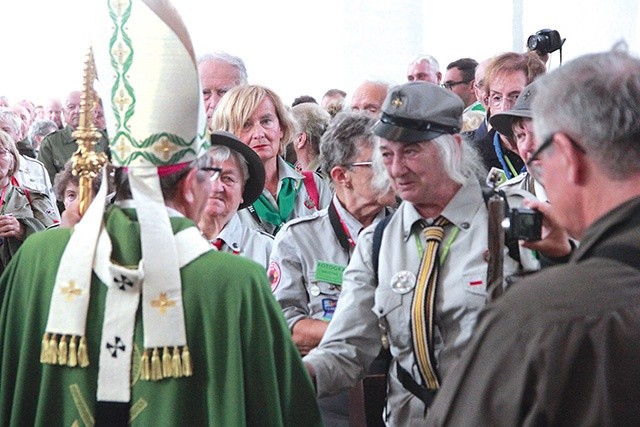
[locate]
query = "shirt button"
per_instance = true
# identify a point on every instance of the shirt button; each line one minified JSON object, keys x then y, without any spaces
{"x":464,"y":225}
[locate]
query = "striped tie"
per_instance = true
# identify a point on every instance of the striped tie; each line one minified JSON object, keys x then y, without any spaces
{"x":423,"y":305}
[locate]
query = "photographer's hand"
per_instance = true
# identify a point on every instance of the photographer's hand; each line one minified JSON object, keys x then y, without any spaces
{"x":555,"y":240}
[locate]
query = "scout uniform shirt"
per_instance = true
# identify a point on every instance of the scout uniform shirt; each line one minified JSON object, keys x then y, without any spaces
{"x":353,"y":338}
{"x":307,"y":262}
{"x":303,"y":205}
{"x":237,"y":239}
{"x":58,"y":147}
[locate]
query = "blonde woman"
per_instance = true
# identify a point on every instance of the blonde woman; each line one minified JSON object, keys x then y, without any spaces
{"x":257,"y":116}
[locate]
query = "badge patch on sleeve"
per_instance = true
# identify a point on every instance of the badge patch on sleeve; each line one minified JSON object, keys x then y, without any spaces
{"x":329,"y":307}
{"x":274,"y":274}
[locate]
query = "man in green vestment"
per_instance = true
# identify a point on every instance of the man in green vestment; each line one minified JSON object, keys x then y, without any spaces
{"x":132,"y":317}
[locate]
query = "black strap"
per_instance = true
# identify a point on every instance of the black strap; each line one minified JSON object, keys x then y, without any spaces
{"x":424,"y":394}
{"x":377,"y":242}
{"x":336,"y":224}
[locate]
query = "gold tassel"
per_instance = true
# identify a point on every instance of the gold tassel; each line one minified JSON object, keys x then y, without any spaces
{"x":53,"y":350}
{"x":145,"y":372}
{"x":63,"y":350}
{"x":72,"y":360}
{"x":83,"y":356}
{"x":166,"y":363}
{"x":177,"y":365}
{"x":44,"y":349}
{"x":156,"y":366}
{"x":187,"y":369}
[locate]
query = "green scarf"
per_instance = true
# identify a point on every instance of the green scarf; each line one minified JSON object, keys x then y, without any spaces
{"x":286,"y":200}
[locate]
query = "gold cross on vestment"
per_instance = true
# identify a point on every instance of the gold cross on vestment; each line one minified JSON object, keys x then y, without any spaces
{"x":163,"y":303}
{"x":71,"y":291}
{"x":163,"y":147}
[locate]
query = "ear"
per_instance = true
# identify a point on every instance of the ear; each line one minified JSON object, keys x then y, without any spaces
{"x":439,"y":76}
{"x":575,"y":162}
{"x":338,"y":175}
{"x":300,"y":140}
{"x":185,"y":186}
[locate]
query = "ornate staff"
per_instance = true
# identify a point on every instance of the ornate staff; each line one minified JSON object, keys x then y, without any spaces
{"x":87,"y":164}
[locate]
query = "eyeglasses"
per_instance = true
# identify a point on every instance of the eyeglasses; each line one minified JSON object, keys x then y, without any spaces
{"x":449,"y":85}
{"x":497,"y":99}
{"x":215,"y":172}
{"x":367,"y":164}
{"x":533,"y":164}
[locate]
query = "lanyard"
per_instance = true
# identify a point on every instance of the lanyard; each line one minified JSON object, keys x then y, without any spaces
{"x":445,"y":248}
{"x":340,"y":228}
{"x":507,"y":166}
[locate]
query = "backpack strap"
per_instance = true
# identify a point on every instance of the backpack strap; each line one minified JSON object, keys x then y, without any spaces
{"x":377,"y":242}
{"x":312,"y":189}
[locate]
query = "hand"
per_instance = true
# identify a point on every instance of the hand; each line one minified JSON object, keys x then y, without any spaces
{"x":307,"y":334}
{"x":11,"y":227}
{"x":555,"y":239}
{"x":71,"y":215}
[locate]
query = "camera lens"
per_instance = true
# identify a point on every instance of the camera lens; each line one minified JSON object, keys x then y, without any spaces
{"x":532,"y":42}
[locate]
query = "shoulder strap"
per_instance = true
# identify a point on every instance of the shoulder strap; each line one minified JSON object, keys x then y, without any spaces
{"x":377,"y":241}
{"x":312,"y":189}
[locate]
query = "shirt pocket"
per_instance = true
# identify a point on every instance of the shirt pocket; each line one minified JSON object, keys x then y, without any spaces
{"x":323,"y":298}
{"x":394,"y":310}
{"x":474,"y":284}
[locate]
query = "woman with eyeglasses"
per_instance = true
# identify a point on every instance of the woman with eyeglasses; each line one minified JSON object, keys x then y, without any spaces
{"x":517,"y":123}
{"x":257,"y":116}
{"x":17,"y":221}
{"x":237,"y":180}
{"x":310,"y":253}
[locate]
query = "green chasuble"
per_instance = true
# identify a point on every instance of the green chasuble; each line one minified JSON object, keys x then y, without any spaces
{"x":246,"y":369}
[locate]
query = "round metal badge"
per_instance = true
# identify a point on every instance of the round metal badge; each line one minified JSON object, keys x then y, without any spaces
{"x":403,"y":281}
{"x":314,"y":290}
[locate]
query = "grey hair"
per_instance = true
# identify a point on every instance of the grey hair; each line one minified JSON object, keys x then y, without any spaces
{"x":433,"y":62}
{"x":381,"y":181}
{"x":232,"y":60}
{"x":222,"y":153}
{"x":8,"y":116}
{"x":313,"y":120}
{"x":595,"y":100}
{"x":348,"y":133}
{"x":464,"y":164}
{"x":40,"y":128}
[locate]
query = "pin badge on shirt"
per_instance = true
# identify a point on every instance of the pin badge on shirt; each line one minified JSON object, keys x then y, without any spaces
{"x":403,"y":281}
{"x":314,"y":290}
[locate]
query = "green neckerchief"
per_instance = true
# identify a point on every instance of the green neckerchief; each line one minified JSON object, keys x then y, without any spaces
{"x":286,"y":200}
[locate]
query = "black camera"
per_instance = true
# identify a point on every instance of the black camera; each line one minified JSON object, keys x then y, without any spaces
{"x":523,"y":224}
{"x":545,"y":41}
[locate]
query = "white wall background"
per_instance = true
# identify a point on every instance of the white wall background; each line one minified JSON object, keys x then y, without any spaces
{"x":299,"y":47}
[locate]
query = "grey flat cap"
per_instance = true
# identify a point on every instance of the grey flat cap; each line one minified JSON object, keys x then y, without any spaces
{"x":503,"y":121}
{"x":419,"y":111}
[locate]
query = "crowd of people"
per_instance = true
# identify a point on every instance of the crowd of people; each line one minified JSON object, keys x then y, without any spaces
{"x":369,"y":215}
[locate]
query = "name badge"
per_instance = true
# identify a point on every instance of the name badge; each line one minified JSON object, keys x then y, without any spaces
{"x":329,"y":273}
